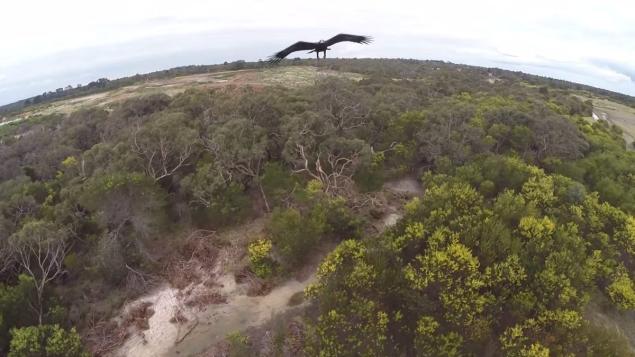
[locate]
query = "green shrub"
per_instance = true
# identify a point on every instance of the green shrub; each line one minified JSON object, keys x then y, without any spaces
{"x":228,"y":206}
{"x":294,"y":235}
{"x":487,"y":188}
{"x":14,"y":307}
{"x":622,"y":291}
{"x":239,"y":345}
{"x":277,"y":182}
{"x":370,"y":177}
{"x":45,"y":341}
{"x":340,"y":221}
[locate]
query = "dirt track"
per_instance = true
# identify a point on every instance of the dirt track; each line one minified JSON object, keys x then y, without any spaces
{"x":209,"y":326}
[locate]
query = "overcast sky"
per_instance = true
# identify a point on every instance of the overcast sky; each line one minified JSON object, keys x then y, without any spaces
{"x":50,"y":44}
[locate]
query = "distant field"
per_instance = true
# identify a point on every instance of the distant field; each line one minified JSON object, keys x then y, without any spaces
{"x":289,"y":76}
{"x":616,"y":113}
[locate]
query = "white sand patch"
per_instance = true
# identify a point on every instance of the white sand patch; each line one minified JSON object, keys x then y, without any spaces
{"x":391,"y":219}
{"x":240,"y":312}
{"x":228,"y":284}
{"x":407,"y":186}
{"x":205,"y":327}
{"x":162,"y":334}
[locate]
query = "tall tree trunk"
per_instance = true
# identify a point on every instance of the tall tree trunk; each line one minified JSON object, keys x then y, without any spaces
{"x":39,"y":305}
{"x":264,"y":197}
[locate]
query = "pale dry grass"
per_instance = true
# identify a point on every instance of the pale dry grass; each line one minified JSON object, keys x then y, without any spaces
{"x":616,"y":113}
{"x":291,"y":76}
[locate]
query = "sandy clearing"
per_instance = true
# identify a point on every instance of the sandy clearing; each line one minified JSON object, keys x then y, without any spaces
{"x":240,"y":312}
{"x":408,"y":186}
{"x":391,"y":219}
{"x":288,"y":76}
{"x":207,"y":326}
{"x":403,"y":188}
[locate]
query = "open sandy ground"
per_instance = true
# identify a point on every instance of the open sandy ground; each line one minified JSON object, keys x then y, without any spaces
{"x":208,"y":326}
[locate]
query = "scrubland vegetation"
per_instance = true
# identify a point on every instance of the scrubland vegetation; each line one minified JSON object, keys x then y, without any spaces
{"x":526,"y":215}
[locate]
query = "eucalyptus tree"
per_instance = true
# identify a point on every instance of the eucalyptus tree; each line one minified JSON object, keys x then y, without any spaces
{"x":40,"y":248}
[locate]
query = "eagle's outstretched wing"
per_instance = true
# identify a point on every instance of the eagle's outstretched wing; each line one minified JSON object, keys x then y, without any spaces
{"x":298,"y":46}
{"x":346,"y":37}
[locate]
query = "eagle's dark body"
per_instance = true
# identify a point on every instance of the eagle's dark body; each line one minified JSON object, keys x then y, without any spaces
{"x":317,"y":47}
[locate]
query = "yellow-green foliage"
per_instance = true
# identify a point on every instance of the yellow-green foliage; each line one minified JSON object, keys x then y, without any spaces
{"x":534,"y":228}
{"x":627,"y":235}
{"x":535,"y":350}
{"x":350,"y":251}
{"x":622,"y":290}
{"x":516,"y":340}
{"x":46,"y":340}
{"x":259,"y":256}
{"x":239,"y":344}
{"x":462,"y":270}
{"x":414,"y":231}
{"x":539,"y":189}
{"x":314,"y":187}
{"x":429,"y":342}
{"x":70,"y":161}
{"x":455,"y":272}
{"x":337,"y":336}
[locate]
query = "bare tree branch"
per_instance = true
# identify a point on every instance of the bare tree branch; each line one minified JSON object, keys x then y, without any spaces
{"x":163,"y":150}
{"x":335,"y":173}
{"x":40,"y":249}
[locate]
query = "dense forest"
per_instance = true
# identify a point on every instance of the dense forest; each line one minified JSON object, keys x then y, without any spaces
{"x":526,"y":216}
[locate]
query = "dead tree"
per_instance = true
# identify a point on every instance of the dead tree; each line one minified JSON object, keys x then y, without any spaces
{"x":161,"y":157}
{"x":334,"y":171}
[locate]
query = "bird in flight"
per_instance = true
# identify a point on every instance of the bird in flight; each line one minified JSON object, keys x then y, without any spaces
{"x":318,"y":47}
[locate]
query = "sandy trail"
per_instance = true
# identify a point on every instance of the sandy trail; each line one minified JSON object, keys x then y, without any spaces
{"x":161,"y":334}
{"x":238,"y":314}
{"x":208,"y":326}
{"x":406,"y":187}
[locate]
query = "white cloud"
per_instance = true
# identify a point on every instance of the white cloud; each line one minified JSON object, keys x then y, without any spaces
{"x":72,"y":40}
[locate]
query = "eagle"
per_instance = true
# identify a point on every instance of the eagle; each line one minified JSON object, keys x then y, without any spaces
{"x":317,"y":47}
